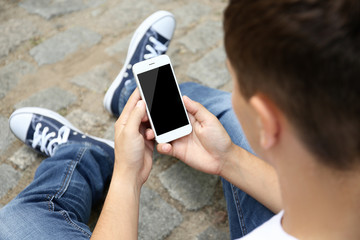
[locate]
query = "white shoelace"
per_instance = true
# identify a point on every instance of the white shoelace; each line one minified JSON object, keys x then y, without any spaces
{"x":40,"y":139}
{"x":156,"y":50}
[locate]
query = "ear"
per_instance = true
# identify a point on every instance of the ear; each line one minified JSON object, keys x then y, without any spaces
{"x":267,"y":119}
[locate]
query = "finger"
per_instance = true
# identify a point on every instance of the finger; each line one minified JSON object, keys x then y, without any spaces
{"x":134,"y":120}
{"x":200,"y":113}
{"x":130,"y":105}
{"x":149,"y":134}
{"x":165,"y":148}
{"x":145,"y":118}
{"x":191,"y":118}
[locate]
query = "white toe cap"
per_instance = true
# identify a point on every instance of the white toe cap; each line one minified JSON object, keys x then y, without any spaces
{"x":19,"y":124}
{"x":165,"y":26}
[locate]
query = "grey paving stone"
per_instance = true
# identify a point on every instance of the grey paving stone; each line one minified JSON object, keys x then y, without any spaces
{"x":157,"y":218}
{"x":24,"y":157}
{"x":110,"y":133}
{"x":49,"y":9}
{"x":120,"y":48}
{"x":13,"y":33}
{"x":9,"y":178}
{"x":192,"y":188}
{"x":212,"y":233}
{"x":125,"y":13}
{"x":52,"y":98}
{"x":11,"y":74}
{"x":97,"y":12}
{"x":6,"y":137}
{"x":211,"y":69}
{"x":97,"y":79}
{"x":174,"y":52}
{"x":62,"y":44}
{"x":203,"y":36}
{"x":85,"y":121}
{"x":190,"y":14}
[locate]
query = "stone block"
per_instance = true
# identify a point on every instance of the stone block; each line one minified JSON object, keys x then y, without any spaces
{"x":110,"y":132}
{"x":49,"y":9}
{"x":212,"y":233}
{"x":192,"y":188}
{"x":157,"y":218}
{"x":13,"y":33}
{"x":62,"y":44}
{"x":97,"y":79}
{"x":190,"y":14}
{"x":6,"y":136}
{"x":203,"y":37}
{"x":12,"y":73}
{"x":120,"y":16}
{"x":9,"y":178}
{"x":119,"y":49}
{"x":52,"y":98}
{"x":211,"y":69}
{"x":24,"y":157}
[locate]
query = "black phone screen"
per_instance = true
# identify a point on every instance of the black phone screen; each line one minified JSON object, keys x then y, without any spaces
{"x":163,"y":99}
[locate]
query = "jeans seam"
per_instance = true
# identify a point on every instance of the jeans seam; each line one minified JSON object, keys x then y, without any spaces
{"x":62,"y":190}
{"x":69,"y":221}
{"x":69,"y":172}
{"x":49,"y":197}
{"x":240,"y":214}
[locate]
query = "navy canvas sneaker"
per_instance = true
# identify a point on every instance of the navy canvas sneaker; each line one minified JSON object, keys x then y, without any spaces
{"x":44,"y":130}
{"x":151,"y":39}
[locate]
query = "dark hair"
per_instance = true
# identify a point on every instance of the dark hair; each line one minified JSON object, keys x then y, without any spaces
{"x":305,"y":56}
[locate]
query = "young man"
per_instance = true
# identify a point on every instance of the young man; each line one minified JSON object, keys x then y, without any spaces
{"x":295,"y":68}
{"x":57,"y":204}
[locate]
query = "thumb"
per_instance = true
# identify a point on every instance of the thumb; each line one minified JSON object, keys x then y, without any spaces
{"x":137,"y":114}
{"x":200,"y":113}
{"x":165,"y":148}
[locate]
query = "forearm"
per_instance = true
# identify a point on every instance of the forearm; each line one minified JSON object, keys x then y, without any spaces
{"x":119,"y":216}
{"x":254,"y":176}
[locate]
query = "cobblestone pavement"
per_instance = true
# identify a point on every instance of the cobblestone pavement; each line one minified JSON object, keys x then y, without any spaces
{"x":64,"y":57}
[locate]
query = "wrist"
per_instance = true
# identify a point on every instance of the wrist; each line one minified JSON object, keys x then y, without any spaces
{"x":229,"y":161}
{"x":126,"y":178}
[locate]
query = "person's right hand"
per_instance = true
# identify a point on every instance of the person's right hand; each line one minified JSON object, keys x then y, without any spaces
{"x":207,"y":147}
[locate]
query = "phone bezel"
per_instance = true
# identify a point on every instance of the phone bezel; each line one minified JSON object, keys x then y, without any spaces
{"x":148,"y":65}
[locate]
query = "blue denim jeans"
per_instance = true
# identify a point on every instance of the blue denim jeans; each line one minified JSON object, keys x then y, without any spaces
{"x":57,"y":204}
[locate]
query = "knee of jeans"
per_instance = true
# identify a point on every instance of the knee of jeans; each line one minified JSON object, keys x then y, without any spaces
{"x":188,"y":86}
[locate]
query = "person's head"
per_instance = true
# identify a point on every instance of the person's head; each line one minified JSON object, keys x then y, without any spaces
{"x":300,"y":59}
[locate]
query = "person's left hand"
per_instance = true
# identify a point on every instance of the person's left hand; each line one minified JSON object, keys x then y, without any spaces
{"x":133,"y":152}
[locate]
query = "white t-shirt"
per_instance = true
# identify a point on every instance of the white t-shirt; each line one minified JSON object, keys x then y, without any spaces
{"x":270,"y":230}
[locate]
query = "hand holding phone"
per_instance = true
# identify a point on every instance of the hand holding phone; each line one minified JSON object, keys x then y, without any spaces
{"x":207,"y":147}
{"x":133,"y":152}
{"x":156,"y":81}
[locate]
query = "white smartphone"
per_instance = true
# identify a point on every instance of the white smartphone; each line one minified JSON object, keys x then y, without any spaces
{"x":158,"y":87}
